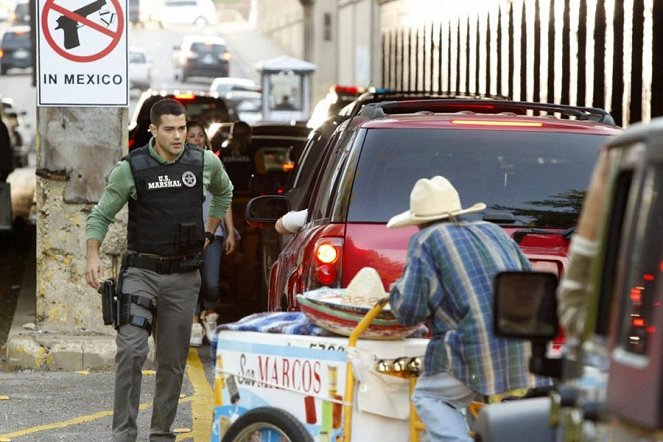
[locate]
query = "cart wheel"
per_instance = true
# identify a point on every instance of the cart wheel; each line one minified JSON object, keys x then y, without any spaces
{"x":267,"y":424}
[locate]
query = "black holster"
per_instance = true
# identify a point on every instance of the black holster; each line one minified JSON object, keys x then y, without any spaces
{"x":109,"y":302}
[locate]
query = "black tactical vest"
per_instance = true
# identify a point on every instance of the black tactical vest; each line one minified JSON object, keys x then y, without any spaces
{"x":167,"y":217}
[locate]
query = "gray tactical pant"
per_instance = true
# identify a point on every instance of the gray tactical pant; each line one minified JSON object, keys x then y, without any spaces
{"x":175,"y":296}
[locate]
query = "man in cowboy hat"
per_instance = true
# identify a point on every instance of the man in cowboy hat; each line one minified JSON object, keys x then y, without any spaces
{"x":448,"y":280}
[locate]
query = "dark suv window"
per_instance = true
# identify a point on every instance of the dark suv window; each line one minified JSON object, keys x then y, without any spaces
{"x":539,"y":178}
{"x":204,"y":49}
{"x":13,"y":40}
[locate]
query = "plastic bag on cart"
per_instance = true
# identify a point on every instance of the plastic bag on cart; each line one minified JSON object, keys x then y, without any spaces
{"x":379,"y":393}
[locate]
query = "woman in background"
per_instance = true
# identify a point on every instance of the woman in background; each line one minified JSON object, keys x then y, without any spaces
{"x":210,"y":289}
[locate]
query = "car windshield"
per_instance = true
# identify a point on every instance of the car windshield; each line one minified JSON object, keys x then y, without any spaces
{"x":525,"y":178}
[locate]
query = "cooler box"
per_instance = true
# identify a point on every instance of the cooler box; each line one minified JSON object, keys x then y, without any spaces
{"x":305,"y":375}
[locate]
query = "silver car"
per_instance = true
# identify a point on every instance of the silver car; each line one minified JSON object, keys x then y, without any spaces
{"x":140,"y":69}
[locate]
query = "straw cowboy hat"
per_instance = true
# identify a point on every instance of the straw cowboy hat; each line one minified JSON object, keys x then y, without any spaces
{"x":430,"y":200}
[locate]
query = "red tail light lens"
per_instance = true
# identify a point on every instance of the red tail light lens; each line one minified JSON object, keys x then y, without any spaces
{"x":326,"y":266}
{"x":326,"y":275}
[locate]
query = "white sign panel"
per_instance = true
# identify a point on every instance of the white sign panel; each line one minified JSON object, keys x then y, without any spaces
{"x":82,"y":53}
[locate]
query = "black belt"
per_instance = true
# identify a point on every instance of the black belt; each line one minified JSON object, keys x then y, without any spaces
{"x":163,"y":264}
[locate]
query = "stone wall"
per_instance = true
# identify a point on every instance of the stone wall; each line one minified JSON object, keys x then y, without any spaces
{"x":77,"y":149}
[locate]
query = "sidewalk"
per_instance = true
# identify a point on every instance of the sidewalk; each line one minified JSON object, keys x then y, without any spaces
{"x":29,"y":348}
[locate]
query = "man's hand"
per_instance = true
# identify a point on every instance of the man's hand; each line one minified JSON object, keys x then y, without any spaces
{"x":93,"y":267}
{"x":230,"y":244}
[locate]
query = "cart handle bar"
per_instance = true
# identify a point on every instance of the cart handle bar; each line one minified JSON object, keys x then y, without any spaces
{"x":349,"y":375}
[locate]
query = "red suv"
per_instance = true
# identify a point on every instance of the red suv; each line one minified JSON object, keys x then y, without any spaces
{"x":529,"y":162}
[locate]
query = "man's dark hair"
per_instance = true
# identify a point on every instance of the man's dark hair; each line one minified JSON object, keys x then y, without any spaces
{"x":165,"y":106}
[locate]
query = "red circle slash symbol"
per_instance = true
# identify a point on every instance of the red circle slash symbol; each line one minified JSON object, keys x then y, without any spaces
{"x":69,"y":21}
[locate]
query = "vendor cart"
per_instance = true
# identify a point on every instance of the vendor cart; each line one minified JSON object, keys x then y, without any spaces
{"x":277,"y":386}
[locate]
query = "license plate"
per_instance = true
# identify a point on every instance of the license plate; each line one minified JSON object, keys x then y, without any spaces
{"x":21,"y":53}
{"x":208,"y":59}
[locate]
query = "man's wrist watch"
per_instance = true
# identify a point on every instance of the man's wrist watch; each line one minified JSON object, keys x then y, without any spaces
{"x":209,"y":236}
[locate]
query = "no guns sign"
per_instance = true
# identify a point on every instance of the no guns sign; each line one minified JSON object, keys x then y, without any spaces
{"x":82,"y":53}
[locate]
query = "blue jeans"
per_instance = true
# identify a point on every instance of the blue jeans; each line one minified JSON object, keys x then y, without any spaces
{"x":210,"y":272}
{"x":441,"y":400}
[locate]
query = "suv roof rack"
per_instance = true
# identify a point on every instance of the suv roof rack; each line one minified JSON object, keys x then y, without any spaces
{"x":380,"y":109}
{"x":382,"y":95}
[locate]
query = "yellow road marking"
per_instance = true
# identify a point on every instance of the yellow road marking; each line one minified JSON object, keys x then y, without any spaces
{"x":201,"y":408}
{"x":202,"y":400}
{"x":67,"y":423}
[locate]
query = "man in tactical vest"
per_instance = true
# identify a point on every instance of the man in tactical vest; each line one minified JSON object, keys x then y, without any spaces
{"x":164,"y":183}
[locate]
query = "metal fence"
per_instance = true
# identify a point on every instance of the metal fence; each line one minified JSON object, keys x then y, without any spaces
{"x":597,"y":53}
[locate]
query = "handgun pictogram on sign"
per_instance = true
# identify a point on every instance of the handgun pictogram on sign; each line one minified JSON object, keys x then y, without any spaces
{"x":103,"y":17}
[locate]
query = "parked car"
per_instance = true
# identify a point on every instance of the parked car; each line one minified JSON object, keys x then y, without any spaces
{"x":337,"y":98}
{"x":15,"y":48}
{"x":187,"y":12}
{"x":201,"y":56}
{"x":277,"y":148}
{"x":224,"y":85}
{"x":243,"y":94}
{"x":140,"y":68}
{"x":200,"y":105}
{"x":21,"y":13}
{"x":23,"y":139}
{"x":489,"y":149}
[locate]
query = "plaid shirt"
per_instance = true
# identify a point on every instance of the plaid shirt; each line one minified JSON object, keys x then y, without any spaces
{"x":448,"y":280}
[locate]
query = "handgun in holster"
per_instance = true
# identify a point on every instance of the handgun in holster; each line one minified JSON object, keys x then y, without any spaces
{"x":109,"y":302}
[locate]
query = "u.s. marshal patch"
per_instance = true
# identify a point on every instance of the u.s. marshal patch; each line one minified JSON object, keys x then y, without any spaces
{"x":188,"y":179}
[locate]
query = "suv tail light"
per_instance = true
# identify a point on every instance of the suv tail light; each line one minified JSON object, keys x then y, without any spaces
{"x":325,"y":270}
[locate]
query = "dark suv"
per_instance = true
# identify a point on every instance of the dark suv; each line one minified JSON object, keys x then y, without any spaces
{"x":15,"y":48}
{"x":202,"y":106}
{"x":530,"y":168}
{"x":201,"y":56}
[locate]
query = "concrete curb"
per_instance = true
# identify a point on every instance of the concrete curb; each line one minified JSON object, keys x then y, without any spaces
{"x":35,"y":350}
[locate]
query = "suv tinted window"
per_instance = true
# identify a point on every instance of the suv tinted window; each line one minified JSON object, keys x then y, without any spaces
{"x":540,"y":178}
{"x":13,"y":39}
{"x":205,"y":48}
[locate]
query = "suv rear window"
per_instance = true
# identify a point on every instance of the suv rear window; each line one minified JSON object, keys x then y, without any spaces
{"x":13,"y":39}
{"x":206,"y":48}
{"x":539,"y":178}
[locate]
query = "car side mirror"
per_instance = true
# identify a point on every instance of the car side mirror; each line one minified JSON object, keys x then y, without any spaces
{"x":525,"y":307}
{"x":264,"y":211}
